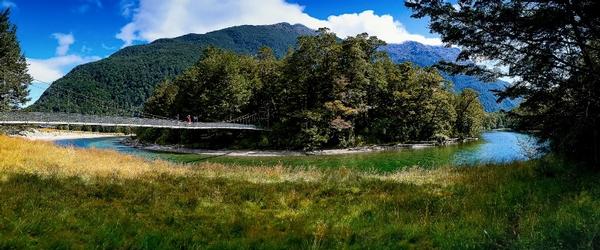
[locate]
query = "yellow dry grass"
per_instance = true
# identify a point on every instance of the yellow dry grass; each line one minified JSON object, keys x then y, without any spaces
{"x":19,"y":155}
{"x":23,"y":156}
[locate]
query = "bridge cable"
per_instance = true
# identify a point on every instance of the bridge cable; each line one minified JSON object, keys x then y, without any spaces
{"x":248,"y":118}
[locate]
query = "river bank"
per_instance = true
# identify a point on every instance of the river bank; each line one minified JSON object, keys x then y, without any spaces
{"x":73,"y":138}
{"x":493,"y":147}
{"x":60,"y":135}
{"x":179,"y":149}
{"x":57,"y":135}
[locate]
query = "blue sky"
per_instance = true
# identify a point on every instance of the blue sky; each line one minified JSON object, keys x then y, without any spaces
{"x":61,"y":34}
{"x":91,"y":25}
{"x":323,"y":9}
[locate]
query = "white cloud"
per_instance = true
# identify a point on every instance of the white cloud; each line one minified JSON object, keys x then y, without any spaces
{"x":153,"y":19}
{"x":384,"y":27}
{"x":51,"y":69}
{"x":127,"y":7}
{"x":64,"y":42}
{"x":7,"y":4}
{"x":46,"y":71}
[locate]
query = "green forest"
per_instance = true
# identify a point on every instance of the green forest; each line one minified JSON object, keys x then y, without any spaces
{"x":121,"y":83}
{"x":326,"y":93}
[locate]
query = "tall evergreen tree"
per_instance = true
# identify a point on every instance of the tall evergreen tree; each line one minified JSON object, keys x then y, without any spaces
{"x":552,"y":50}
{"x":14,"y":78}
{"x":470,"y":116}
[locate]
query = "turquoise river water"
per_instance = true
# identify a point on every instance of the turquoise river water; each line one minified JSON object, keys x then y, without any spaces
{"x":495,"y":147}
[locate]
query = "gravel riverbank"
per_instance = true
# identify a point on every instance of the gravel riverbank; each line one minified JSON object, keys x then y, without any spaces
{"x":274,"y":153}
{"x":57,"y":135}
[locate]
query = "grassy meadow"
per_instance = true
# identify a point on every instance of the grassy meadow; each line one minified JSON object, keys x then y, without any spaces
{"x":64,"y":198}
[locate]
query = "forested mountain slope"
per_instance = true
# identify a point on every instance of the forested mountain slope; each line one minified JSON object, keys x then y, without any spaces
{"x":424,"y":55}
{"x":122,"y":82}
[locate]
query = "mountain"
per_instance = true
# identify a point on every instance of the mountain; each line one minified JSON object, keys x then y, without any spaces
{"x":123,"y":81}
{"x":425,"y":55}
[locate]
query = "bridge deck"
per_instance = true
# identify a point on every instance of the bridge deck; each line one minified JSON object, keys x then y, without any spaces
{"x":38,"y":118}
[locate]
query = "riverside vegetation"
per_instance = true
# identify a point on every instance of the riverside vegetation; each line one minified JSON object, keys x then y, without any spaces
{"x":325,"y":93}
{"x":69,"y":198}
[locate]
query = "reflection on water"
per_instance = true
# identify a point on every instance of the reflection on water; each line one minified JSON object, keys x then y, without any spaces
{"x":495,"y":147}
{"x":111,"y":143}
{"x":499,"y":147}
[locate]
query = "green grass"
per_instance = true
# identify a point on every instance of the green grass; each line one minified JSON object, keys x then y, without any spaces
{"x":488,"y":207}
{"x":65,"y":198}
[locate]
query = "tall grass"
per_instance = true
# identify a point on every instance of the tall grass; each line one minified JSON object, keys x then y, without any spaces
{"x":45,"y":159}
{"x":67,"y":198}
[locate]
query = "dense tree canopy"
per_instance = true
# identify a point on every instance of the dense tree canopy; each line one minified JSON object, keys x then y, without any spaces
{"x":326,"y":93}
{"x":14,"y":78}
{"x":551,"y":49}
{"x":219,"y":86}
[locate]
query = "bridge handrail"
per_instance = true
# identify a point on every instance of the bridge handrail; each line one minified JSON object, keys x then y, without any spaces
{"x":80,"y":119}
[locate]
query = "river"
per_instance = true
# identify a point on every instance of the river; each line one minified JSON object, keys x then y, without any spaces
{"x":495,"y":147}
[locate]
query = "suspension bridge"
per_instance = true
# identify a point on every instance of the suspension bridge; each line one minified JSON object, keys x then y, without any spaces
{"x":245,"y":122}
{"x":253,"y":121}
{"x":53,"y":119}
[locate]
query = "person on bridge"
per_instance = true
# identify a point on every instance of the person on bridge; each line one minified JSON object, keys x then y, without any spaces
{"x":189,"y":119}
